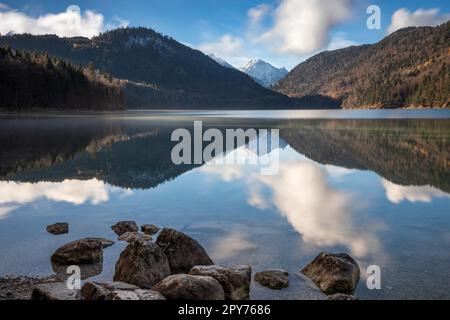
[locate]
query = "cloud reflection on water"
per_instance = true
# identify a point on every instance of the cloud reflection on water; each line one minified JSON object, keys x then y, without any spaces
{"x":396,"y":193}
{"x":75,"y":192}
{"x":301,"y":192}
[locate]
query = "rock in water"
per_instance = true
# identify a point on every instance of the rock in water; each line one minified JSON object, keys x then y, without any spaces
{"x":149,"y":229}
{"x":134,"y":236}
{"x":182,"y":251}
{"x":333,"y":273}
{"x":54,"y":291}
{"x":117,"y":291}
{"x":124,"y":226}
{"x":341,"y":296}
{"x":189,"y":287}
{"x":273,"y":278}
{"x":142,"y":264}
{"x":235,"y":280}
{"x":58,"y":228}
{"x":83,"y":251}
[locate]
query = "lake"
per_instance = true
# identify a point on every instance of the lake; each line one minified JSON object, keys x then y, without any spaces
{"x":374,"y":184}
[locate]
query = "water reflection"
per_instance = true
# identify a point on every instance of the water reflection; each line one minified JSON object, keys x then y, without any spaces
{"x":397,"y":193}
{"x":339,"y":188}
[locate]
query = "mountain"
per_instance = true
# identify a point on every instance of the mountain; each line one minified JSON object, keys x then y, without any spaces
{"x":220,"y":61}
{"x":159,"y":72}
{"x":409,"y":68}
{"x":36,"y":81}
{"x":263,"y":72}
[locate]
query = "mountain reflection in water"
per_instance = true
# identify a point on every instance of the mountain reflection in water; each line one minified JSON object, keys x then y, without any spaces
{"x":339,"y":186}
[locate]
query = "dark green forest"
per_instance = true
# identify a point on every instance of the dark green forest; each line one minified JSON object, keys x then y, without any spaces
{"x":30,"y":80}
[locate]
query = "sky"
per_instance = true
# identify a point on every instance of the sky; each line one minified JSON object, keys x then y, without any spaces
{"x":281,"y":32}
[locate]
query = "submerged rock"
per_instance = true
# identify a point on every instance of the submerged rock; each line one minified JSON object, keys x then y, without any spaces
{"x":117,"y":291}
{"x":83,"y":251}
{"x":124,"y":226}
{"x":273,"y":278}
{"x":142,"y":264}
{"x":134,"y":236}
{"x":149,"y":229}
{"x":235,"y":280}
{"x":341,"y":296}
{"x":182,"y":251}
{"x":189,"y":287}
{"x":58,"y":228}
{"x":333,"y":273}
{"x":54,"y":291}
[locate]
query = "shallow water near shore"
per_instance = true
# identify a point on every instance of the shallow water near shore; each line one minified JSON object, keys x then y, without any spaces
{"x":374,"y":184}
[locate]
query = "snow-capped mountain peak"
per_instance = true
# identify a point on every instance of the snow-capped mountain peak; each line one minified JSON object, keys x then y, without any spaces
{"x":263,"y":72}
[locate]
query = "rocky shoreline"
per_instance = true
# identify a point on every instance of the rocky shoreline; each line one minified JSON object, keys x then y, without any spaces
{"x":174,"y":266}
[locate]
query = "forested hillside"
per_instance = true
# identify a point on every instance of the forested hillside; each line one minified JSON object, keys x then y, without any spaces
{"x":171,"y":74}
{"x":409,"y":68}
{"x":37,"y":81}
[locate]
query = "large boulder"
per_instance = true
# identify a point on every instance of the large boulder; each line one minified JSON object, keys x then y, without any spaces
{"x":182,"y":251}
{"x":333,"y":273}
{"x":235,"y":280}
{"x":134,"y":236}
{"x":189,"y":287}
{"x":117,"y":291}
{"x":149,"y":229}
{"x":58,"y":228}
{"x":142,"y":264}
{"x":54,"y":291}
{"x":273,"y":278}
{"x":83,"y":251}
{"x":124,"y":226}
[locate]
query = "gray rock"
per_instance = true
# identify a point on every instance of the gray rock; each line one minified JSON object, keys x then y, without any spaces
{"x":235,"y":280}
{"x":83,"y":251}
{"x":149,"y":229}
{"x":341,"y":296}
{"x":273,"y":278}
{"x":58,"y":228}
{"x":117,"y":291}
{"x":124,"y":226}
{"x":99,"y":291}
{"x":182,"y":251}
{"x":333,"y":273}
{"x":135,"y":295}
{"x":142,"y":264}
{"x":134,"y":236}
{"x":54,"y":291}
{"x":189,"y":287}
{"x":87,"y":270}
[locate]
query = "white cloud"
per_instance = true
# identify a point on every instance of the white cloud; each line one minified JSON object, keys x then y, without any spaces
{"x":3,"y":6}
{"x":227,"y":47}
{"x":397,"y":193}
{"x":303,"y":26}
{"x":69,"y":23}
{"x":256,"y":14}
{"x":235,"y":242}
{"x":72,"y":191}
{"x":4,"y":211}
{"x":403,"y":18}
{"x":340,"y":42}
{"x":322,"y":214}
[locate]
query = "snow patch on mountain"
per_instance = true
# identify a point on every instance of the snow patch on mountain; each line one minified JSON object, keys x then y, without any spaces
{"x":263,"y":72}
{"x":220,"y":61}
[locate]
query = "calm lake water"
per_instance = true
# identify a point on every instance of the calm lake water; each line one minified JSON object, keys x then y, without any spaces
{"x":368,"y":183}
